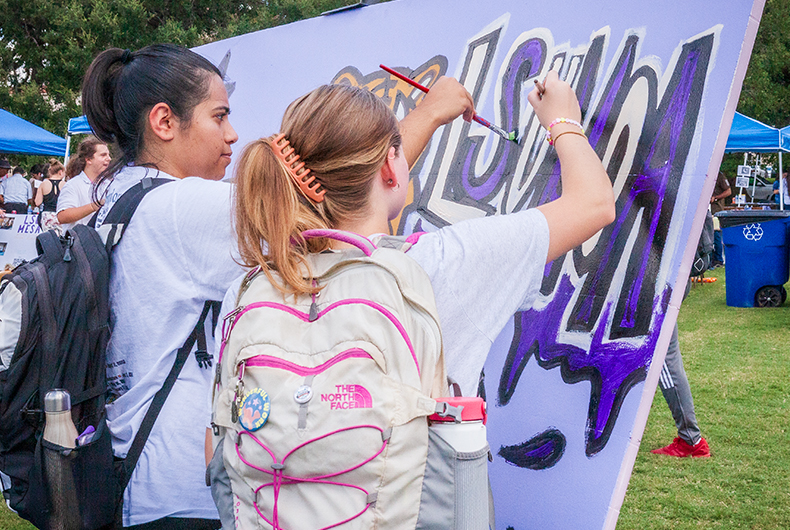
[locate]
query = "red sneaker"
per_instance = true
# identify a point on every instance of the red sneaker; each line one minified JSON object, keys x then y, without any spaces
{"x":681,"y":448}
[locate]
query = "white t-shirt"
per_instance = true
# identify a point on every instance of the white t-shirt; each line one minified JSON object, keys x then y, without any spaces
{"x":16,"y":188}
{"x":78,"y":191}
{"x":175,"y":254}
{"x":482,"y":271}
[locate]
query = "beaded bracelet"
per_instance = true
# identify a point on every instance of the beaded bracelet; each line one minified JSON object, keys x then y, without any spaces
{"x":561,"y":120}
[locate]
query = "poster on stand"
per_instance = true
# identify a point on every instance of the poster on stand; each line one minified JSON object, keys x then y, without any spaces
{"x":17,"y":239}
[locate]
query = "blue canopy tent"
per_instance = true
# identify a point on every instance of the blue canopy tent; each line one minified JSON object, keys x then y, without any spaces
{"x":748,"y":135}
{"x":752,"y":136}
{"x":76,"y":126}
{"x":21,"y":136}
{"x":79,"y":125}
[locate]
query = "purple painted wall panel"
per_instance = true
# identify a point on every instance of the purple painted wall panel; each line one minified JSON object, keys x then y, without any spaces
{"x":569,"y":382}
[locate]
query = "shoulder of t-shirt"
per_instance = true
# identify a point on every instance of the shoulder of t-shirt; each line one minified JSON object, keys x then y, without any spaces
{"x":505,"y":224}
{"x":192,"y":193}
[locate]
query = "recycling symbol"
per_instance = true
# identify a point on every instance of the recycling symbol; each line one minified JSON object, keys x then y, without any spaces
{"x":753,"y":232}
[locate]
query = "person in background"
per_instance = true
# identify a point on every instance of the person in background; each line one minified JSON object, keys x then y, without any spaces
{"x":16,"y":193}
{"x":75,"y":202}
{"x":47,"y":195}
{"x":721,"y":191}
{"x":776,"y":192}
{"x":5,"y":169}
{"x":37,"y":173}
{"x":674,"y":383}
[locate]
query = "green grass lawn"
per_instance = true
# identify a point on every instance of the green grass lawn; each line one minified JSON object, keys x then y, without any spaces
{"x":738,"y":364}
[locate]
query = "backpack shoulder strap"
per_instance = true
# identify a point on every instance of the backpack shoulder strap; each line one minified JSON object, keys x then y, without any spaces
{"x":121,"y":213}
{"x":136,"y":449}
{"x":361,"y":242}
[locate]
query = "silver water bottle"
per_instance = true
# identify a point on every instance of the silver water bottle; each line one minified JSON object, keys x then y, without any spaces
{"x":60,"y":432}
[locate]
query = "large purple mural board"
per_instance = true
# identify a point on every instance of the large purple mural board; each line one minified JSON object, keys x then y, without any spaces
{"x":569,"y":382}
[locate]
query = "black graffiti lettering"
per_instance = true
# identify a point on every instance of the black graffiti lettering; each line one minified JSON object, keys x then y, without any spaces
{"x":473,"y":75}
{"x":648,"y":196}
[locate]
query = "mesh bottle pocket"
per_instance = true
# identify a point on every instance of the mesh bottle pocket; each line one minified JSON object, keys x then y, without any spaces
{"x":454,"y":488}
{"x":73,"y":488}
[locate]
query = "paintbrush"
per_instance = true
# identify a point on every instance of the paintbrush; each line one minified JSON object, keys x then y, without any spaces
{"x":512,"y":136}
{"x":541,"y":88}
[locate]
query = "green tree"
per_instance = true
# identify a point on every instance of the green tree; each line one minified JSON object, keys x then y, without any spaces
{"x":766,"y":89}
{"x":46,"y":45}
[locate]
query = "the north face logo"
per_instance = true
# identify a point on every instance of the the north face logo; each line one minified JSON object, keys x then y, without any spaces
{"x":348,"y":397}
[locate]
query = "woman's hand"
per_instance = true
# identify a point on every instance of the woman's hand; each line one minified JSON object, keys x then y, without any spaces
{"x":446,"y":100}
{"x":587,"y":201}
{"x":558,"y":101}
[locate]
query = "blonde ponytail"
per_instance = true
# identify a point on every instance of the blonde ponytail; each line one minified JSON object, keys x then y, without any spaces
{"x":343,"y":135}
{"x":269,"y":208}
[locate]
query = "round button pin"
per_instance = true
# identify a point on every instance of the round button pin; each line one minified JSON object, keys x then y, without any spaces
{"x":254,"y":410}
{"x":303,"y":394}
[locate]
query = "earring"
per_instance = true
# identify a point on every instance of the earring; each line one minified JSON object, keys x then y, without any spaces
{"x":389,"y":182}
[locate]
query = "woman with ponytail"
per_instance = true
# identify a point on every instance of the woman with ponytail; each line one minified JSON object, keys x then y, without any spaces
{"x":47,"y":195}
{"x":166,"y":109}
{"x":482,"y":271}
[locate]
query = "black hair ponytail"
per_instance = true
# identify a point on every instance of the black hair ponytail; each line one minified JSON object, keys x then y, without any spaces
{"x":121,"y":87}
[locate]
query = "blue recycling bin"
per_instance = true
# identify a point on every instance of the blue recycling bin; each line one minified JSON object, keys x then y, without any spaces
{"x":757,"y":253}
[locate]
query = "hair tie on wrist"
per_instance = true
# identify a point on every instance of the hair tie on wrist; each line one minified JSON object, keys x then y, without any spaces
{"x":562,"y":120}
{"x":126,"y":58}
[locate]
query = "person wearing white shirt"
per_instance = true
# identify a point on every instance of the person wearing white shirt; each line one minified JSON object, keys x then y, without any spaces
{"x":76,"y":202}
{"x":168,"y":112}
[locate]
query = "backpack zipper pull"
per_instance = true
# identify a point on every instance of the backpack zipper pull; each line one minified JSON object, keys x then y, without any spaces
{"x":67,"y":253}
{"x":229,"y":318}
{"x":238,"y":395}
{"x":313,"y":306}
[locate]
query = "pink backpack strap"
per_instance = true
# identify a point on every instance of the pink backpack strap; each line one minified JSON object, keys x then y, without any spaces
{"x":413,"y":238}
{"x":361,"y":242}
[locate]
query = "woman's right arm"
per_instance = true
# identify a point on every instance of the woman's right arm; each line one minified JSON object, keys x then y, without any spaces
{"x":587,"y":201}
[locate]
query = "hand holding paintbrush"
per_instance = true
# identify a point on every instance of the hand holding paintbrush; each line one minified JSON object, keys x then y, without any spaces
{"x":507,"y":136}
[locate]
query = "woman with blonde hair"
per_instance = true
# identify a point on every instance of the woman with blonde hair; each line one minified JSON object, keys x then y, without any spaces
{"x":351,"y":143}
{"x":482,"y":271}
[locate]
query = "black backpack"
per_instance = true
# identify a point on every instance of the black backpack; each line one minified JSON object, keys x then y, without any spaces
{"x":62,"y":340}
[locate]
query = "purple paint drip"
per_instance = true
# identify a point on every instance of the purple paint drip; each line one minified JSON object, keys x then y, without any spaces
{"x":615,"y":361}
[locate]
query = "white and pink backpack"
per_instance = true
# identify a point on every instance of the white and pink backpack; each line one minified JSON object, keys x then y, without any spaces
{"x":321,"y":404}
